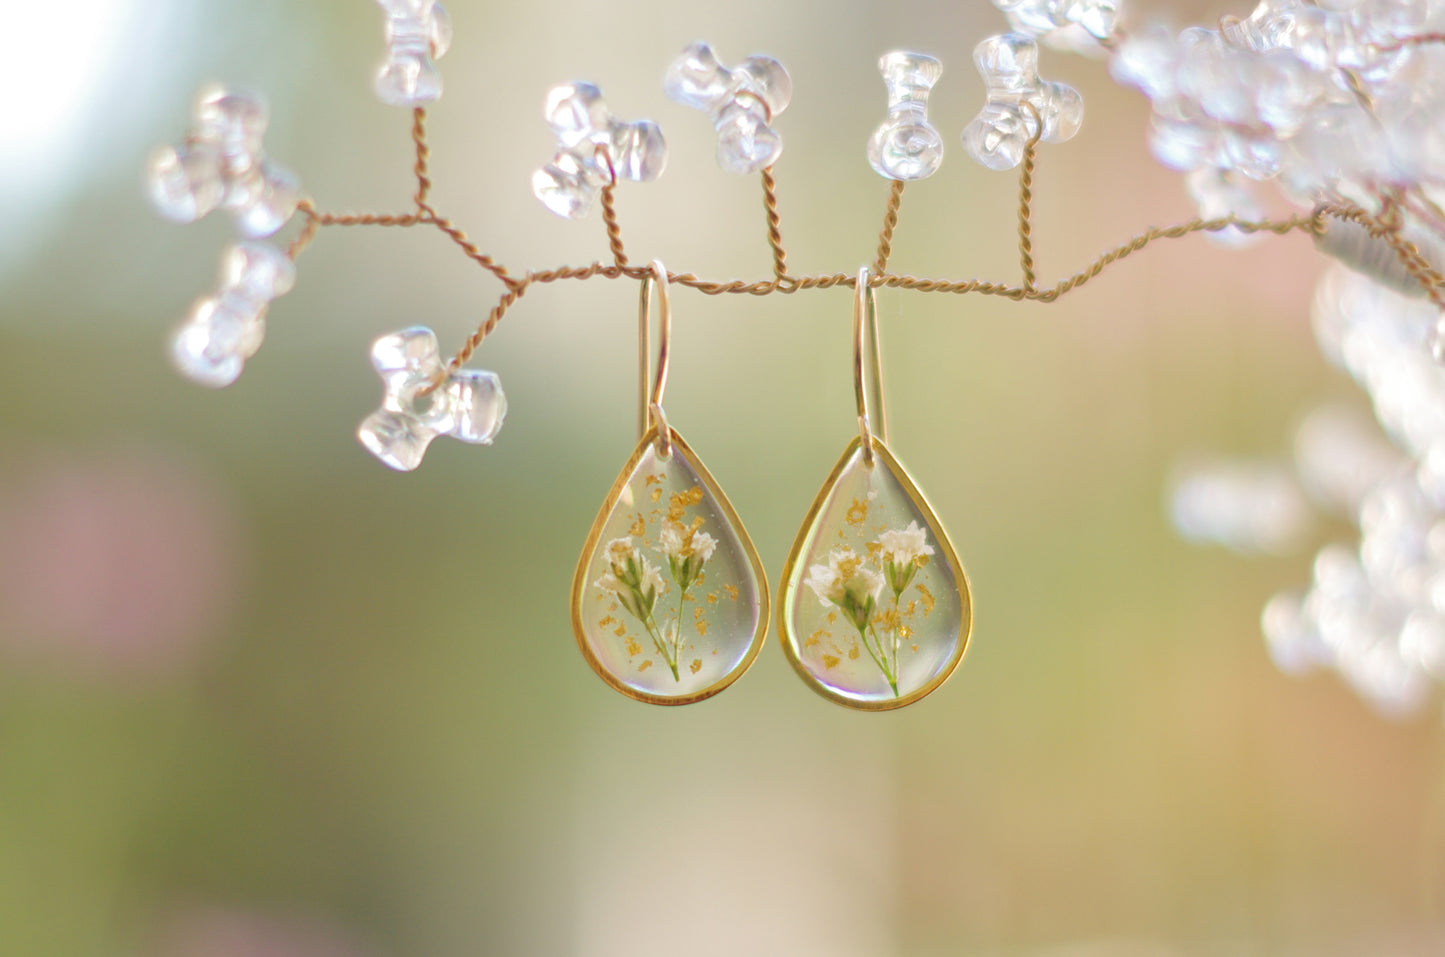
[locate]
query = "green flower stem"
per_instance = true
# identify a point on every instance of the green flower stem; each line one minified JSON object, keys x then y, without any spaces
{"x":880,"y":657}
{"x":677,"y":634}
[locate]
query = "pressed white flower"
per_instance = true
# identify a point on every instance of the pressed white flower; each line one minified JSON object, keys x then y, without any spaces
{"x":826,"y":584}
{"x":687,"y":550}
{"x":866,"y":583}
{"x":609,"y":583}
{"x":619,"y":549}
{"x":651,"y":579}
{"x":703,"y":545}
{"x":905,"y":545}
{"x":847,"y":583}
{"x":672,"y":540}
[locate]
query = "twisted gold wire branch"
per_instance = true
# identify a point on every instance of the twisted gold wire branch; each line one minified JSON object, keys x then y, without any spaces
{"x":1387,"y":226}
{"x":775,"y":222}
{"x":614,"y":229}
{"x":423,"y":157}
{"x":890,"y":222}
{"x":1026,"y":197}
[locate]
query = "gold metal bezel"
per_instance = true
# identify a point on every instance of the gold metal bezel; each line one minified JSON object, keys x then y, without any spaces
{"x":786,"y":584}
{"x":594,"y":536}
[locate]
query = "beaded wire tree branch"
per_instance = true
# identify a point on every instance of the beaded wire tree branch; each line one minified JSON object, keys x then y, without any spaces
{"x":1341,"y":105}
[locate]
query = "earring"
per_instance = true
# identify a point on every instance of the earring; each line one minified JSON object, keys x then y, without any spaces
{"x":669,"y":602}
{"x":874,"y":609}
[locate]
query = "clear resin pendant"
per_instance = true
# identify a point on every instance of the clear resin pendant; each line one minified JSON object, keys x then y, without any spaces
{"x":875,"y":609}
{"x":669,"y":602}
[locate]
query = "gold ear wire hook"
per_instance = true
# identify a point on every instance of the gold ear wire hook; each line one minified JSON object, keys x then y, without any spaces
{"x":649,"y":407}
{"x":865,"y":313}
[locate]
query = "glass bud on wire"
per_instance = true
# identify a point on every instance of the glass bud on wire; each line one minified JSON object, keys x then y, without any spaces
{"x":226,"y":329}
{"x":594,"y":149}
{"x":422,"y":399}
{"x":221,"y":164}
{"x":1009,"y":65}
{"x":418,"y":33}
{"x":1043,"y":18}
{"x":742,"y":102}
{"x":906,"y":146}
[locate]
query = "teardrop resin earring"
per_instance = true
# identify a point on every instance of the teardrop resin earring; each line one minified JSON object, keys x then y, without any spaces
{"x":874,"y":609}
{"x":669,"y":602}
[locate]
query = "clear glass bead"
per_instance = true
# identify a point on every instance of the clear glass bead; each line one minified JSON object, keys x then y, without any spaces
{"x":745,"y":142}
{"x":258,"y":271}
{"x":742,"y":103}
{"x":273,"y":203}
{"x":221,"y":333}
{"x":185,"y":182}
{"x":997,"y":137}
{"x":906,"y":146}
{"x":639,"y":151}
{"x":1147,"y":60}
{"x":418,"y":33}
{"x":1293,"y":644}
{"x":234,"y":121}
{"x":594,"y":147}
{"x":421,"y":400}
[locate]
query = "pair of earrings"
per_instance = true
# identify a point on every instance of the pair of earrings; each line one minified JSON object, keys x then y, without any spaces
{"x":670,"y":601}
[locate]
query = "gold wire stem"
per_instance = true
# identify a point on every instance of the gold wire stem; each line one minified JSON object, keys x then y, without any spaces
{"x":1026,"y":198}
{"x":308,"y":231}
{"x":614,"y":229}
{"x":1419,"y":39}
{"x":890,"y":223}
{"x":775,"y":220}
{"x":710,"y":287}
{"x":423,"y":157}
{"x":1152,"y":235}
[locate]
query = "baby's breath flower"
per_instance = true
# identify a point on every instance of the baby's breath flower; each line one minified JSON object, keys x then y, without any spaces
{"x":609,"y":583}
{"x":687,"y":550}
{"x":652,"y":583}
{"x":847,"y":583}
{"x":903,"y":551}
{"x":703,"y":545}
{"x":905,"y":545}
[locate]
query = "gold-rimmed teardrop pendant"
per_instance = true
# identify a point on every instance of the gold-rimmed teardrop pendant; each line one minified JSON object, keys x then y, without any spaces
{"x":875,"y":609}
{"x":669,"y":601}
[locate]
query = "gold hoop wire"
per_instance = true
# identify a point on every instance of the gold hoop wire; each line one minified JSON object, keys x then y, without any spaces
{"x":865,"y":314}
{"x":649,"y":407}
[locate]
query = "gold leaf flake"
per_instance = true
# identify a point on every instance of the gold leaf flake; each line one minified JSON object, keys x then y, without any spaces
{"x":815,"y":638}
{"x":696,"y":665}
{"x":712,"y":598}
{"x":857,"y":512}
{"x":831,"y":661}
{"x":928,"y":599}
{"x":853,"y":651}
{"x":633,"y":648}
{"x":639,"y":527}
{"x":732,"y":591}
{"x":701,"y":626}
{"x":646,"y":663}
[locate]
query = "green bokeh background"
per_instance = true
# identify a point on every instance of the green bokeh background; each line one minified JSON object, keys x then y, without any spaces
{"x":389,"y":729}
